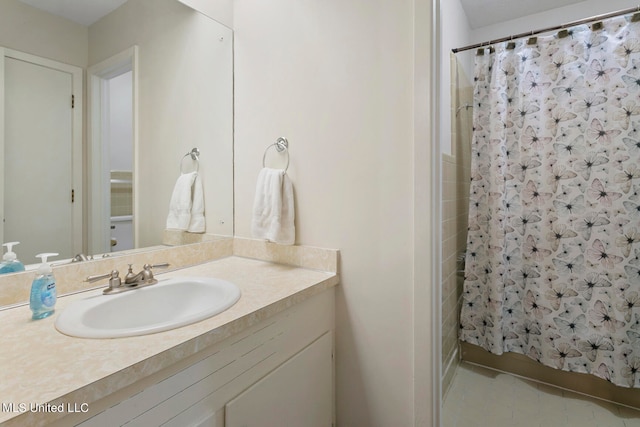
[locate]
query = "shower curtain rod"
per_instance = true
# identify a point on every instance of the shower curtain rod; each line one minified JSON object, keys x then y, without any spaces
{"x":545,"y":30}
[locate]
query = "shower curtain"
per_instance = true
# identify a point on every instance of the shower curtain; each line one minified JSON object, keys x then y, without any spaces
{"x":553,"y":249}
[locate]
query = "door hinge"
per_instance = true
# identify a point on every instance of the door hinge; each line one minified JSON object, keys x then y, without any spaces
{"x":73,"y":195}
{"x":73,"y":101}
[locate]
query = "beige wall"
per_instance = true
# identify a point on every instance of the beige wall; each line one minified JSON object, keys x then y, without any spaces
{"x":185,"y":101}
{"x":33,"y":31}
{"x":336,"y":78}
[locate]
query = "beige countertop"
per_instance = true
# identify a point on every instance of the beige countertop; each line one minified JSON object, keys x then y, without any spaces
{"x":39,"y":365}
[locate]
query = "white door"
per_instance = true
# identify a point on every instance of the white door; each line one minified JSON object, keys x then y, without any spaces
{"x":38,"y":173}
{"x":112,"y":140}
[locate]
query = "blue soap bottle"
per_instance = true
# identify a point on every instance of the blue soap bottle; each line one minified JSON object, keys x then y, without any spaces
{"x":10,"y":263}
{"x":43,"y":290}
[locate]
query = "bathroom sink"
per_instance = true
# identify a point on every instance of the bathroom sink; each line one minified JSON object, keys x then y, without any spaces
{"x":169,"y":304}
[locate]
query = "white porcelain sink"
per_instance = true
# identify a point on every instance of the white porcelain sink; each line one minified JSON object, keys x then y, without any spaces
{"x":169,"y":304}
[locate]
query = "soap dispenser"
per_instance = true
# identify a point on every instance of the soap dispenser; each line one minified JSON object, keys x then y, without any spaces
{"x":10,"y":263}
{"x":43,"y":290}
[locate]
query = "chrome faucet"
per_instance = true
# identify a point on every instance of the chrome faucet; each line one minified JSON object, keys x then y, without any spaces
{"x":144,"y":277}
{"x":131,"y":280}
{"x":81,"y":258}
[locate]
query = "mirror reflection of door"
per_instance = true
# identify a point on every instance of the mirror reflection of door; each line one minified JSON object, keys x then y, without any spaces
{"x":119,"y":139}
{"x":112,"y":106}
{"x":38,"y":205}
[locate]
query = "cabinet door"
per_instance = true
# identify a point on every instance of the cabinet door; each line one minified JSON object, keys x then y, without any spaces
{"x":298,"y":393}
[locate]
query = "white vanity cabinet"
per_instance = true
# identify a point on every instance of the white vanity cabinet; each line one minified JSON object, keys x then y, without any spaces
{"x":298,"y":393}
{"x":277,"y":372}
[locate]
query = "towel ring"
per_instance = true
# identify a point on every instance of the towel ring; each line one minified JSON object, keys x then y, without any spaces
{"x":281,"y":145}
{"x":195,"y":156}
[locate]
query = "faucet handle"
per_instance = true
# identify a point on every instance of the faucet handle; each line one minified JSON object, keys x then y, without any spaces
{"x":80,"y":258}
{"x":114,"y":280}
{"x":148,"y":274}
{"x":148,"y":267}
{"x":161,"y":265}
{"x":112,"y":274}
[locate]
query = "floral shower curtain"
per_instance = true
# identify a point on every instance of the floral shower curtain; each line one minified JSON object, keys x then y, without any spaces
{"x":553,"y":250}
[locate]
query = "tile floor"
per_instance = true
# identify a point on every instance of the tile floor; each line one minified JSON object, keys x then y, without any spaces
{"x":479,"y":397}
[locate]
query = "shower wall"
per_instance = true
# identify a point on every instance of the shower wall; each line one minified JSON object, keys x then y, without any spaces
{"x":455,"y":199}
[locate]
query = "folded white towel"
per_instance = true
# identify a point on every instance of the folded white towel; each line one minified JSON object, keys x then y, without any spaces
{"x":180,"y":205}
{"x":273,"y":209}
{"x":197,"y":223}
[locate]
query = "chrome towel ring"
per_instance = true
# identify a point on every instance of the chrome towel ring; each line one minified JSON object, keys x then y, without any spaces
{"x":281,"y":145}
{"x":195,"y":156}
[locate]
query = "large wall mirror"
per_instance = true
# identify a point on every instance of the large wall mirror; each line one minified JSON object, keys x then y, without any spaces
{"x":93,"y":174}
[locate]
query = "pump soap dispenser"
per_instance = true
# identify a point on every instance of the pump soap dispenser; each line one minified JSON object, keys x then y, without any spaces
{"x":43,"y":290}
{"x":10,"y":263}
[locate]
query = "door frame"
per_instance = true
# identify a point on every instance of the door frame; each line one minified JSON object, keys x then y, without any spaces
{"x":76,"y":73}
{"x":99,"y":215}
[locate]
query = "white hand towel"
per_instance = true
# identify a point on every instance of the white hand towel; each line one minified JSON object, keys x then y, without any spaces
{"x":180,"y":205}
{"x":197,"y":223}
{"x":273,"y":208}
